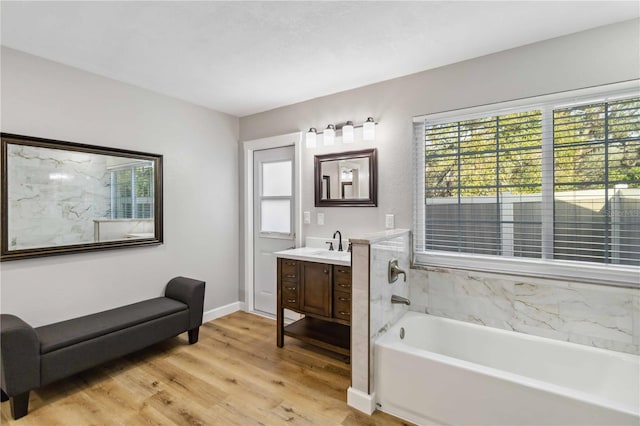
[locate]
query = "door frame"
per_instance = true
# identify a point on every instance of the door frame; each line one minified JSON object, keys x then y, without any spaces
{"x":248,"y":148}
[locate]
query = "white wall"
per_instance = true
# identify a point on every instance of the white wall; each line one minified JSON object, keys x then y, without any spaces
{"x":201,"y":225}
{"x":603,"y":55}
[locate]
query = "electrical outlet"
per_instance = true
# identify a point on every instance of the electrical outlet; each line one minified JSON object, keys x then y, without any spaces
{"x":389,"y":222}
{"x":320,"y":218}
{"x":306,"y":217}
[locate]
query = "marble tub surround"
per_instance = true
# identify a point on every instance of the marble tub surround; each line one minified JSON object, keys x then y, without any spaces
{"x":115,"y":229}
{"x":370,"y":256}
{"x":595,"y":315}
{"x":66,"y":189}
{"x":383,"y":314}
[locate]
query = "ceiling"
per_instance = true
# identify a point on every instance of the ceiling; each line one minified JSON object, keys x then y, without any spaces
{"x":242,"y":58}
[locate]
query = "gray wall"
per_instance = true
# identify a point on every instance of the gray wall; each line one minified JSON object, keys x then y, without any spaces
{"x":603,"y":55}
{"x":583,"y":313}
{"x":46,"y":99}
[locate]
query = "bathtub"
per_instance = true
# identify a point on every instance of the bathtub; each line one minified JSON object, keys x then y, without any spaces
{"x":452,"y":372}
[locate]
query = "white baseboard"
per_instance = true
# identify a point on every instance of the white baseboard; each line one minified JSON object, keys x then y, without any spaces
{"x":361,"y":401}
{"x":222,"y":311}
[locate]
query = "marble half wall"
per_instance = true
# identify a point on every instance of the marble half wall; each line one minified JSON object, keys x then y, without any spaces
{"x":371,"y":308}
{"x":595,"y":315}
{"x":383,"y":314}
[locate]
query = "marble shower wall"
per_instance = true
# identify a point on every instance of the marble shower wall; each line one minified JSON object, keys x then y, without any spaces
{"x":595,"y":315}
{"x":382,"y":313}
{"x":67,"y":190}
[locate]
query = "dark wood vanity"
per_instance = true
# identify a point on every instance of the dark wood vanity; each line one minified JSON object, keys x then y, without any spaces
{"x":322,"y":293}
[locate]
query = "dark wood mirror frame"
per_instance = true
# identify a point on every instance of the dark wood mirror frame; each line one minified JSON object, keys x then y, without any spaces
{"x":372,"y":201}
{"x":33,"y":142}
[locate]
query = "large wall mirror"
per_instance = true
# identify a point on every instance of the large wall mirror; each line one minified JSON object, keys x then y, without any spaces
{"x":62,"y":197}
{"x":346,"y":179}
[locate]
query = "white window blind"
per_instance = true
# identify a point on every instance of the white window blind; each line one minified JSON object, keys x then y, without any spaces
{"x":544,"y":184}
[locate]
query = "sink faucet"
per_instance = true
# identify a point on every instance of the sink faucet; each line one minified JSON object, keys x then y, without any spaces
{"x":339,"y":241}
{"x":398,"y":299}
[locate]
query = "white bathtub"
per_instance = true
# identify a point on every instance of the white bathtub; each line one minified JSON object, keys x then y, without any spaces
{"x":452,"y":372}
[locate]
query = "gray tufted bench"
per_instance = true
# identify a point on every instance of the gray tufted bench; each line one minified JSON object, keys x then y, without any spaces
{"x":34,"y":357}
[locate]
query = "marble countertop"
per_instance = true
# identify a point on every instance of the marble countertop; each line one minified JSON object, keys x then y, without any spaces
{"x":320,"y":255}
{"x":374,"y":237}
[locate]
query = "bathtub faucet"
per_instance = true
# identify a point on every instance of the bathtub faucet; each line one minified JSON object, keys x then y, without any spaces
{"x":398,"y":299}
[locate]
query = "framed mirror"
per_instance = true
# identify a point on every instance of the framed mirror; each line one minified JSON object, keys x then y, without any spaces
{"x":346,"y":179}
{"x":63,"y":197}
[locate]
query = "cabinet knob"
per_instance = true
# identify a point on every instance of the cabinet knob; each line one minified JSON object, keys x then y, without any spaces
{"x":291,"y":276}
{"x":344,"y":285}
{"x":290,"y":288}
{"x":344,"y":313}
{"x":326,"y":271}
{"x":291,"y":300}
{"x":344,"y":299}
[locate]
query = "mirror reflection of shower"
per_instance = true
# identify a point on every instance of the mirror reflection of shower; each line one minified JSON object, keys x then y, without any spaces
{"x":62,"y":197}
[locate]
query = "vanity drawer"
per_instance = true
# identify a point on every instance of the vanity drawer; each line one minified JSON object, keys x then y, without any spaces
{"x":342,"y":305}
{"x":341,"y":278}
{"x":289,"y":270}
{"x":290,"y":295}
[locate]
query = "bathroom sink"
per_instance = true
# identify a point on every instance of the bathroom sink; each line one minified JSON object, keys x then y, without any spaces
{"x":329,"y":253}
{"x":314,"y":254}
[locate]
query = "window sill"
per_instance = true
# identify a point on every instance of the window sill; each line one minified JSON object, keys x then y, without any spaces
{"x":619,"y":276}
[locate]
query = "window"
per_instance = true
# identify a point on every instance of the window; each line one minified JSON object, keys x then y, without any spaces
{"x":530,"y":186}
{"x":276,"y":198}
{"x":132,"y":191}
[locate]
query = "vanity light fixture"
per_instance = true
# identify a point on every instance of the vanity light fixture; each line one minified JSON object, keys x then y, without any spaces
{"x":347,"y":132}
{"x":369,"y":130}
{"x":311,"y":138}
{"x":329,"y":135}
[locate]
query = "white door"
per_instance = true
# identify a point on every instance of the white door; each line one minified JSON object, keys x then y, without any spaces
{"x":274,"y":227}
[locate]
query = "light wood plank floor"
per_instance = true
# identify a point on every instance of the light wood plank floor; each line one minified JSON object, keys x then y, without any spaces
{"x":235,"y":375}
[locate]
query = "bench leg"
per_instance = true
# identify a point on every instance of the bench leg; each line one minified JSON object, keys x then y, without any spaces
{"x":193,"y":335}
{"x":20,"y":405}
{"x":3,"y":397}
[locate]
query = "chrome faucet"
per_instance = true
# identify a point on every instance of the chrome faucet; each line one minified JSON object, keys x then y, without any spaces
{"x":398,"y":299}
{"x":339,"y":241}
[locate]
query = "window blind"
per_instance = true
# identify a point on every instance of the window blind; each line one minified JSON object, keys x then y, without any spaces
{"x":596,"y":182}
{"x":549,"y":182}
{"x":132,"y":192}
{"x":479,"y":175}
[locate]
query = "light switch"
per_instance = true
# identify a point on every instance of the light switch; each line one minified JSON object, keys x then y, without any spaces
{"x":306,"y":217}
{"x":320,"y":218}
{"x":389,"y":222}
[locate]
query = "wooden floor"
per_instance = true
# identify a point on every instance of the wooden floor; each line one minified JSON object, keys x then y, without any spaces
{"x":235,"y":375}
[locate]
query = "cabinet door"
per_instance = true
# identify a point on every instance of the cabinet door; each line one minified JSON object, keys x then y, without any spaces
{"x":316,"y":288}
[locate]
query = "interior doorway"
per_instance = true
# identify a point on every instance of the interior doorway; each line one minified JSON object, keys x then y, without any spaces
{"x":273,"y":220}
{"x":271,"y":168}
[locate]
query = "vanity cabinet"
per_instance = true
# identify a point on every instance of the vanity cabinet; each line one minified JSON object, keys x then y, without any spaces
{"x":322,"y":293}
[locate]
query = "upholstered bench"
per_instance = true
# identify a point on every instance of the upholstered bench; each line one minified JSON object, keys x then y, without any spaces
{"x":34,"y":357}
